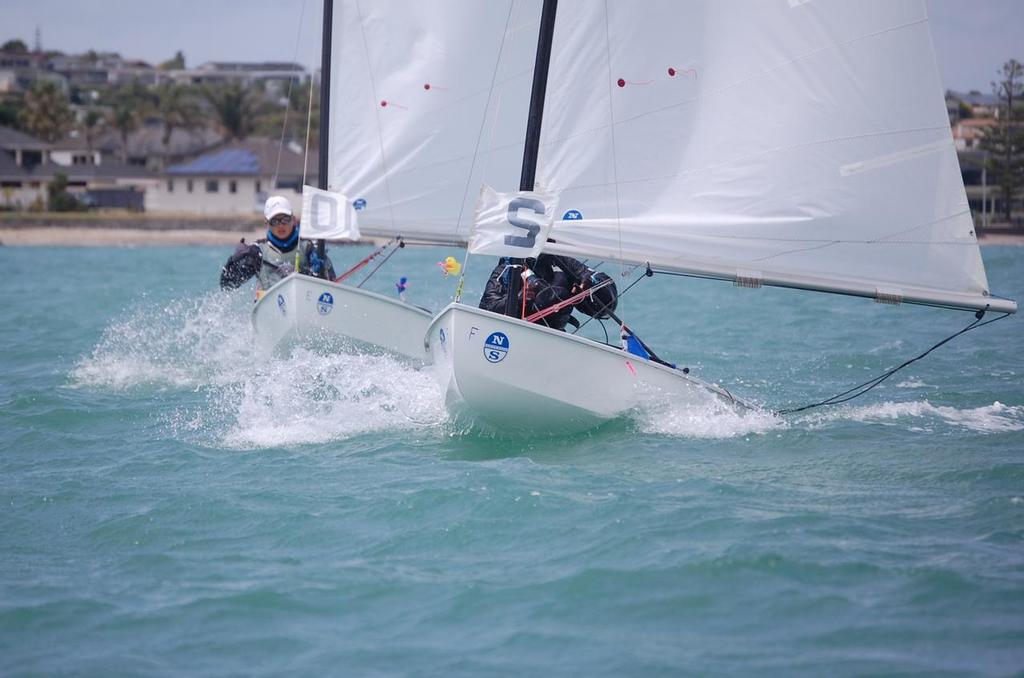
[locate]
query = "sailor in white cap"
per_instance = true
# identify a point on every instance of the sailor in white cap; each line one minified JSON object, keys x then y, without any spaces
{"x":278,"y":255}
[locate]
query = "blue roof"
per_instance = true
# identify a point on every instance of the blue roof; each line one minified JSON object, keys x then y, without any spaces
{"x":227,"y":161}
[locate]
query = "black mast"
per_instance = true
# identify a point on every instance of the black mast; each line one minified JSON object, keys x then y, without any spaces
{"x":325,"y":109}
{"x":540,"y":85}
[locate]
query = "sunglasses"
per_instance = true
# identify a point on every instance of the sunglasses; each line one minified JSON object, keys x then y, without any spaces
{"x":280,"y":220}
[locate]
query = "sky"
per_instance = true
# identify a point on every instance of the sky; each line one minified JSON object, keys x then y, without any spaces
{"x":973,"y":38}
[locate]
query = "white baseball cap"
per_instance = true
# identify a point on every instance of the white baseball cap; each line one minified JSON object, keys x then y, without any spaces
{"x":277,"y":204}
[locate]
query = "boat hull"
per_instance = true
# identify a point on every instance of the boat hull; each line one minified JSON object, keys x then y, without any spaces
{"x":507,"y":374}
{"x":303,"y":309}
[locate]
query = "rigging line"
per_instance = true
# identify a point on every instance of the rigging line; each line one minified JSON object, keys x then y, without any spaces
{"x":288,"y":102}
{"x":617,"y":297}
{"x":476,"y":148}
{"x":861,"y":389}
{"x":611,"y":119}
{"x":384,"y":261}
{"x":365,"y":261}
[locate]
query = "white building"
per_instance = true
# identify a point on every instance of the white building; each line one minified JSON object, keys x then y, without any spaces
{"x":233,"y":180}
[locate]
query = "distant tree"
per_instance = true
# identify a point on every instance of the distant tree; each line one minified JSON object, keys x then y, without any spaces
{"x":1004,"y":141}
{"x":14,"y":45}
{"x":10,"y":111}
{"x":292,"y":119}
{"x":57,"y":197}
{"x":130,"y":106}
{"x":91,"y":125}
{"x":235,"y":107}
{"x":177,"y":63}
{"x":46,"y":113}
{"x":177,"y":108}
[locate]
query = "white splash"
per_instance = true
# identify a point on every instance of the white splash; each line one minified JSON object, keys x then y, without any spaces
{"x":711,"y":419}
{"x":179,"y":345}
{"x":314,"y":398}
{"x":994,"y":418}
{"x":204,"y":345}
{"x":912,"y":383}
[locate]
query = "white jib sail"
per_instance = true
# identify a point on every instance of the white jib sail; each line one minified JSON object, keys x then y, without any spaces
{"x":512,"y":224}
{"x":327,"y":216}
{"x":803,"y":144}
{"x":429,"y":101}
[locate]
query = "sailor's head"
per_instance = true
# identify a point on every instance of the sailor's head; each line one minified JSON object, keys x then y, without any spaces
{"x":279,"y":216}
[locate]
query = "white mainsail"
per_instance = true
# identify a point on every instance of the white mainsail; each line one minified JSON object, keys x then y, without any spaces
{"x":801,"y":143}
{"x":429,"y":101}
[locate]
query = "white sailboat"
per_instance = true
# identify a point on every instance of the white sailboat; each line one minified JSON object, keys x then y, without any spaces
{"x":798,"y":143}
{"x":422,"y":102}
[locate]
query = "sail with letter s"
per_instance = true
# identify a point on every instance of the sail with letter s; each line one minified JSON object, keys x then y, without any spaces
{"x":798,"y":143}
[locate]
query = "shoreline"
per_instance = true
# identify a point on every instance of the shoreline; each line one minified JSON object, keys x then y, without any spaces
{"x":79,"y":235}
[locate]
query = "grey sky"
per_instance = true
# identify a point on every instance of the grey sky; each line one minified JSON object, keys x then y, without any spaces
{"x":972,"y":37}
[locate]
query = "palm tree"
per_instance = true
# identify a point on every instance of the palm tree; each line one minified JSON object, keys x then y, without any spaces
{"x":130,"y":106}
{"x":235,"y":108}
{"x":91,"y":125}
{"x":46,"y":113}
{"x":177,"y":109}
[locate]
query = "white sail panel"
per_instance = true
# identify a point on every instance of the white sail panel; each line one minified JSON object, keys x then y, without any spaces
{"x":415,"y":126}
{"x":799,"y":144}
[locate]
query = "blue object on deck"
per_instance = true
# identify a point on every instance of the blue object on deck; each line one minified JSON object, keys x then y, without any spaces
{"x":634,"y":346}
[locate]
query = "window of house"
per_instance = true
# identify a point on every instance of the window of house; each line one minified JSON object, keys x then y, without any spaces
{"x":212,"y":185}
{"x":170,"y":185}
{"x":188,"y":185}
{"x":232,"y":186}
{"x":258,"y":187}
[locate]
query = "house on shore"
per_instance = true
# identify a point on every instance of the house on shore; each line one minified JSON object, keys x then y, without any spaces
{"x":235,"y":179}
{"x":29,"y":165}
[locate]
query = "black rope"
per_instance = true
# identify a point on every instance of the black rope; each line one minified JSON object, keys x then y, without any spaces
{"x":861,"y":389}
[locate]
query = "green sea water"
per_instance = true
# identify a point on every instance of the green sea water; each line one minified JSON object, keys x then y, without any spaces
{"x":173,"y":504}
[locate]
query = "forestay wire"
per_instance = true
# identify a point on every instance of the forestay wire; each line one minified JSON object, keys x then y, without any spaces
{"x":476,"y":148}
{"x":861,"y":389}
{"x":288,"y":105}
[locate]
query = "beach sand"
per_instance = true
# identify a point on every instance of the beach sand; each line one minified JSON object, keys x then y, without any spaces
{"x":60,"y":236}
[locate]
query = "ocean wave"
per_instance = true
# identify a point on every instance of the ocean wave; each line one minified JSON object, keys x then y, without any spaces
{"x":994,"y":418}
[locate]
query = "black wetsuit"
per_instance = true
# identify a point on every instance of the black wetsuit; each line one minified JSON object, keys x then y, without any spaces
{"x":554,"y":282}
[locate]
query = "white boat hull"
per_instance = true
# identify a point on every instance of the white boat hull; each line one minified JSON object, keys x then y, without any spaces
{"x":301,"y":309}
{"x":508,"y":374}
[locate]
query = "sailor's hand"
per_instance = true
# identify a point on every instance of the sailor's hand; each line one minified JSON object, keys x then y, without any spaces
{"x":526,"y":274}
